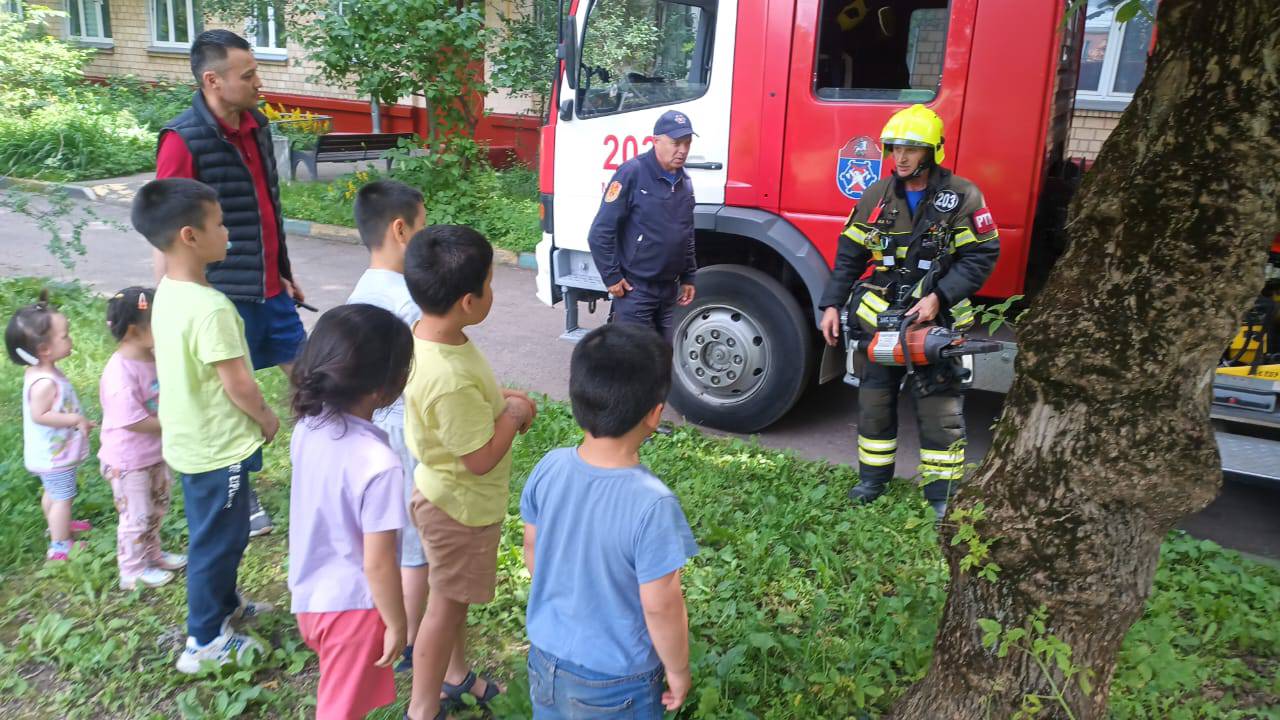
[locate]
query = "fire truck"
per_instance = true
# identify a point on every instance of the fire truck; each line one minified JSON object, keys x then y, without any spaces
{"x":788,"y":98}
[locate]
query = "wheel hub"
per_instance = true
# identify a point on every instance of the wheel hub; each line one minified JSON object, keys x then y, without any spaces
{"x":721,"y":354}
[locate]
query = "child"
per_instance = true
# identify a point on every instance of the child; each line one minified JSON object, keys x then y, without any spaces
{"x":346,"y":508}
{"x":130,"y":451}
{"x":460,"y":425}
{"x":604,"y":540}
{"x":214,"y":417}
{"x":388,"y":213}
{"x":55,"y":431}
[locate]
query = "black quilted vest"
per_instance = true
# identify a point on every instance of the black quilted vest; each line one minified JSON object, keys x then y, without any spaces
{"x":218,"y":164}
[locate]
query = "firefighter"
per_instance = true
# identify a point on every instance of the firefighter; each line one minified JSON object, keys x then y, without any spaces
{"x":931,"y":242}
{"x":642,"y":237}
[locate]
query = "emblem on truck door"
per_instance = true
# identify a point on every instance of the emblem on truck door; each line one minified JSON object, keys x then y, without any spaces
{"x":858,"y":166}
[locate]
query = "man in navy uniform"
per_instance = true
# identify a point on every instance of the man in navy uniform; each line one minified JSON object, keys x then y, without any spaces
{"x":642,"y":237}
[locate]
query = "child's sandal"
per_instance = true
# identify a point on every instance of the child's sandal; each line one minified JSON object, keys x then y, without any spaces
{"x":453,"y":693}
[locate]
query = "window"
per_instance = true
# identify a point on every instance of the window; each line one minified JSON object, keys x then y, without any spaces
{"x":266,"y":28}
{"x":880,"y":50}
{"x":173,"y":24}
{"x":643,"y":53}
{"x":89,"y":20}
{"x":1113,"y":56}
{"x":13,"y":6}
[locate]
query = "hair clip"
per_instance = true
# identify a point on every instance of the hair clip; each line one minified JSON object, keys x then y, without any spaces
{"x":142,"y":301}
{"x":27,"y":357}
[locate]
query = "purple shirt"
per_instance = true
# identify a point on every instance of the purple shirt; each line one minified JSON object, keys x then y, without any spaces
{"x":347,"y":482}
{"x":129,"y":393}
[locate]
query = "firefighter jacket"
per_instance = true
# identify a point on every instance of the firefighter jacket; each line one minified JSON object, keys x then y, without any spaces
{"x":948,"y":247}
{"x":643,"y":230}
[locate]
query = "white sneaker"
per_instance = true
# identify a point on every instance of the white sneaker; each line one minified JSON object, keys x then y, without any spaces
{"x":172,"y":561}
{"x":247,"y":612}
{"x":226,"y":648}
{"x":151,"y":577}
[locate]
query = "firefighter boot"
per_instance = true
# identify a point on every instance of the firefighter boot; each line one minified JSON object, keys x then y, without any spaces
{"x":877,"y":431}
{"x":941,"y":416}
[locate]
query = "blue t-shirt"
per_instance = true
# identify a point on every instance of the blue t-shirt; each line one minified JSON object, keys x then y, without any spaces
{"x":913,"y":199}
{"x":602,"y":533}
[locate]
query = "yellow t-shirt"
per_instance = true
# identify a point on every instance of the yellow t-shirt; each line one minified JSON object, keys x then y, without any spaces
{"x":196,"y":326}
{"x":451,"y":404}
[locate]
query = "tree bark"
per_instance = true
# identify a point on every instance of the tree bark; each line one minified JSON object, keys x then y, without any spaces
{"x":1105,"y":441}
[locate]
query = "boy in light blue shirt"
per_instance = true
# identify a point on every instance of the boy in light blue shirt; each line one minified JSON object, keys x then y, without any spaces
{"x":605,"y":541}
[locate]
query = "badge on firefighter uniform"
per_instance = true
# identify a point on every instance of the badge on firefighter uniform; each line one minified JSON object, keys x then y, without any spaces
{"x":946,"y":201}
{"x":983,"y":221}
{"x":615,"y":189}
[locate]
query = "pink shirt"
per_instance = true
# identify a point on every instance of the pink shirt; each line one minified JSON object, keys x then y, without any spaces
{"x":347,"y":481}
{"x":129,"y":393}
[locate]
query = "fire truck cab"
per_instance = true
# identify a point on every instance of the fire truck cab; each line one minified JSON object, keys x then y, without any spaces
{"x":788,"y":98}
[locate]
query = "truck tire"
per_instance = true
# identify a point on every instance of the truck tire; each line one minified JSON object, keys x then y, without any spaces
{"x":743,"y":351}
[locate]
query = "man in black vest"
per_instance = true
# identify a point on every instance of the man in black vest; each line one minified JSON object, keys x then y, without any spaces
{"x":223,"y":141}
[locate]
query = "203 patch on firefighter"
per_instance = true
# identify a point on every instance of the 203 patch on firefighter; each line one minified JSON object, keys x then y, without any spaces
{"x":858,"y":166}
{"x":946,"y":201}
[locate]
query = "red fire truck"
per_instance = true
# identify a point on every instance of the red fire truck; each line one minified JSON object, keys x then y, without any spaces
{"x":788,"y":98}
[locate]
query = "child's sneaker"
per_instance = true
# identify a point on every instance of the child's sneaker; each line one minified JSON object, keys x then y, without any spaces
{"x":59,"y":551}
{"x":56,"y":555}
{"x":247,"y":612}
{"x":81,"y":526}
{"x":226,"y":648}
{"x":172,"y":561}
{"x":151,"y":577}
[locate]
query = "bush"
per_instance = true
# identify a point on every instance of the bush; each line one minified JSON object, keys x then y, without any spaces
{"x":67,"y":141}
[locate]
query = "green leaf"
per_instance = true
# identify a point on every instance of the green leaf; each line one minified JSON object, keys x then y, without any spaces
{"x":763,"y":641}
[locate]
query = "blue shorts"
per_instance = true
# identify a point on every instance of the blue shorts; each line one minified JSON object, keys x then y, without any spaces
{"x":273,"y":329}
{"x":561,"y":690}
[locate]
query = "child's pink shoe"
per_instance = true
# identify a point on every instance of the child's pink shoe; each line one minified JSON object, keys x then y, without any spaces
{"x":81,"y":526}
{"x":55,"y":556}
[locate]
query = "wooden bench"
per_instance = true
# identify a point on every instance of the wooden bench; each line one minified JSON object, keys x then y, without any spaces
{"x":345,"y":147}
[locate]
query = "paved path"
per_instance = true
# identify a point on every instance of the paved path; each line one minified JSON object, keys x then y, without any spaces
{"x":520,"y":340}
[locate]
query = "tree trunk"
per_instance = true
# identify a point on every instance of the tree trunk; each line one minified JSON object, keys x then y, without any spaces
{"x":1105,"y":441}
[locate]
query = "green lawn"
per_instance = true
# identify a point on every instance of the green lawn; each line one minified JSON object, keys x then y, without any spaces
{"x":800,"y":606}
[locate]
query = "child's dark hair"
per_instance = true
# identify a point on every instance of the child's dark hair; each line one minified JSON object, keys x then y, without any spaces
{"x":618,"y":373}
{"x":163,"y":207}
{"x":28,"y":328}
{"x":381,"y":203}
{"x":354,"y":351}
{"x":443,"y":264}
{"x":131,"y":306}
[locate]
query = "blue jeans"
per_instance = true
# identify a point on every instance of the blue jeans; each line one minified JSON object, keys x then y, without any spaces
{"x":561,"y":690}
{"x":217,"y":507}
{"x":273,"y":330}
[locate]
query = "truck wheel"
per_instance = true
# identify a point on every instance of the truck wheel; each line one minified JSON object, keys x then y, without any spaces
{"x":743,"y":351}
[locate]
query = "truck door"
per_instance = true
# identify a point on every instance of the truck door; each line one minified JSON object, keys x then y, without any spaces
{"x":636,"y":60}
{"x":855,"y":63}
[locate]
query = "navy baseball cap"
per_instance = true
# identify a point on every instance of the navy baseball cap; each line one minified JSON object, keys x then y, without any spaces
{"x":674,"y":124}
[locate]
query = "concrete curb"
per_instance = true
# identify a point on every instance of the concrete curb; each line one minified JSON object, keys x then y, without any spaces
{"x":110,"y":192}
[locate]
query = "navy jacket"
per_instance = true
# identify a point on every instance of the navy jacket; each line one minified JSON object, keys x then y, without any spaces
{"x":644,"y":228}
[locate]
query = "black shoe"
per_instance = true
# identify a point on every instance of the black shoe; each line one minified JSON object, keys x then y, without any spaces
{"x":259,"y":520}
{"x":865,"y":493}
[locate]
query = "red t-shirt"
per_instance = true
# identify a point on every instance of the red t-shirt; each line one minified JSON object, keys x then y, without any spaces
{"x":174,"y":160}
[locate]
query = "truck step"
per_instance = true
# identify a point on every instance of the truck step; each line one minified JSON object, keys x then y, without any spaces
{"x":1251,"y":456}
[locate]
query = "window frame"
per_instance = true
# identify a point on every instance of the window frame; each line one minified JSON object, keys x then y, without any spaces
{"x":155,"y":44}
{"x":882,"y":95}
{"x":703,"y":52}
{"x":14,"y":7}
{"x":1105,"y":97}
{"x":267,"y":52}
{"x":103,"y":10}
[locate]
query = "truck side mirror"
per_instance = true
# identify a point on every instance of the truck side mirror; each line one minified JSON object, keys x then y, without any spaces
{"x":566,"y":110}
{"x":567,"y":51}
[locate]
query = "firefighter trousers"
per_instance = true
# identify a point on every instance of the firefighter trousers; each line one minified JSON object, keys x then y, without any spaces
{"x":940,"y":418}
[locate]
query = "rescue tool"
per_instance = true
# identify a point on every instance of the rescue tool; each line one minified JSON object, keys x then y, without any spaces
{"x":896,"y":343}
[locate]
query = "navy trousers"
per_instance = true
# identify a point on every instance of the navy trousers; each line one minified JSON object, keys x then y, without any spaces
{"x":647,"y":304}
{"x":217,"y":508}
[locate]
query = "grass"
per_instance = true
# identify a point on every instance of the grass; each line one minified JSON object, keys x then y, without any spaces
{"x":800,"y":607}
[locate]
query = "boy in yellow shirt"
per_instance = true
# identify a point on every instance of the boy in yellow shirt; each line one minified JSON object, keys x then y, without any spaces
{"x":459,"y":424}
{"x":214,"y":418}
